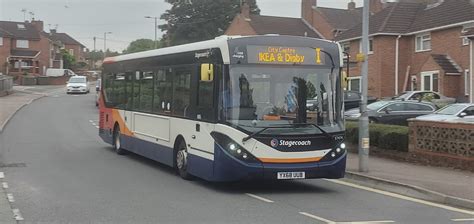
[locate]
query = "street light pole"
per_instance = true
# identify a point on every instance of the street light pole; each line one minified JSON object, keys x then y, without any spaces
{"x":105,"y":43}
{"x":156,"y":29}
{"x":364,"y":120}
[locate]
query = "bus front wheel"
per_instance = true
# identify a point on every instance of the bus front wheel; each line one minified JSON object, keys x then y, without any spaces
{"x":118,"y":142}
{"x":182,"y":161}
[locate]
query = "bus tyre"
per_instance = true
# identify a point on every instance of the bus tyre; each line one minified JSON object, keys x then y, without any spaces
{"x":118,"y":142}
{"x":182,"y":161}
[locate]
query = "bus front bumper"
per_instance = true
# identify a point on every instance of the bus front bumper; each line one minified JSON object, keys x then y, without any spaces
{"x":228,"y":168}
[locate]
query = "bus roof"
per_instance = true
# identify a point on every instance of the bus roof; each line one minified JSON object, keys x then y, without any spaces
{"x":219,"y":42}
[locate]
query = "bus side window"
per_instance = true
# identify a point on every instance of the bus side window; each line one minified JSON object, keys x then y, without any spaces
{"x":163,"y":90}
{"x":182,"y":92}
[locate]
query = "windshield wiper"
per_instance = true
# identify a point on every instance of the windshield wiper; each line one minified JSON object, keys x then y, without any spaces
{"x":288,"y":126}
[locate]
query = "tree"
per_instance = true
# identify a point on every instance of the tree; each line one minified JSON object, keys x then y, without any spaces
{"x":197,"y":20}
{"x":68,"y":60}
{"x":141,"y":45}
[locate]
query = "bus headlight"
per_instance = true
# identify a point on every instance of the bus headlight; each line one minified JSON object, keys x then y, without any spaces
{"x":233,"y":148}
{"x":343,"y":145}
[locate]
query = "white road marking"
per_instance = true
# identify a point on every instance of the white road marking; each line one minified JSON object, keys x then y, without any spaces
{"x":10,"y":197}
{"x":97,"y":127}
{"x":2,"y":175}
{"x":317,"y":218}
{"x":91,"y":121}
{"x":462,"y":220}
{"x":367,"y":222}
{"x":4,"y":185}
{"x":446,"y":207}
{"x":17,"y":215}
{"x":259,"y":198}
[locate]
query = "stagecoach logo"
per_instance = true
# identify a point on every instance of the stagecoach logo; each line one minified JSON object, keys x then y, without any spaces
{"x":275,"y":143}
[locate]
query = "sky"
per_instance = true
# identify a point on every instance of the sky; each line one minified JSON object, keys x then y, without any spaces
{"x":86,"y":19}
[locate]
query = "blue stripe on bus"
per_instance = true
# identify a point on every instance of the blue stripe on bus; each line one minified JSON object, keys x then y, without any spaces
{"x":148,"y":149}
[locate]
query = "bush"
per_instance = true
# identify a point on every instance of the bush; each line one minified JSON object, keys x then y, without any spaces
{"x":392,"y":137}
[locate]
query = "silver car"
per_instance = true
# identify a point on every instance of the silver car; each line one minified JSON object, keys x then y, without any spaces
{"x":431,"y":96}
{"x":453,"y":112}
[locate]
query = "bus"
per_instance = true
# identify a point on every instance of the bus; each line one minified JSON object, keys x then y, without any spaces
{"x":229,"y":109}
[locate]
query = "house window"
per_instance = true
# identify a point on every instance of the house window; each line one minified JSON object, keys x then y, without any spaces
{"x":429,"y":81}
{"x":354,"y":83}
{"x":1,"y":41}
{"x":371,"y":46}
{"x":465,"y":41}
{"x":71,"y":52}
{"x":423,"y":42}
{"x":21,"y":26}
{"x":22,"y":44}
{"x":346,"y":47}
{"x":467,"y":83}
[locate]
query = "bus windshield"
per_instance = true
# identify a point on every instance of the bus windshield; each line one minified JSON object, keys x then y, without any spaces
{"x":257,"y":97}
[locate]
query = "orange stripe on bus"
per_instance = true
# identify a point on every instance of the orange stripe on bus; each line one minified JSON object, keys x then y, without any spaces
{"x":299,"y":160}
{"x":123,"y":127}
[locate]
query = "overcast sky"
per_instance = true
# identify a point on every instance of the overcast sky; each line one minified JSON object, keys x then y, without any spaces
{"x":84,"y":19}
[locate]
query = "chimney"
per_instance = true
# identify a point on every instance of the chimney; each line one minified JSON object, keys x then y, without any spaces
{"x":245,"y":10}
{"x":38,"y":24}
{"x":351,"y":5}
{"x":52,"y":31}
{"x":307,"y":10}
{"x":376,"y":6}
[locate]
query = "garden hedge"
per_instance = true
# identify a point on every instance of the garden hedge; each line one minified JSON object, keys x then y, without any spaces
{"x":391,"y":137}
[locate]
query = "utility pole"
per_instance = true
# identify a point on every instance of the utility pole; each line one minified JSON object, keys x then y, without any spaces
{"x":105,"y":43}
{"x":94,"y":54}
{"x":156,"y":29}
{"x":364,"y":120}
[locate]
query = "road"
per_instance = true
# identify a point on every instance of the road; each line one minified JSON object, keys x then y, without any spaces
{"x":60,"y":171}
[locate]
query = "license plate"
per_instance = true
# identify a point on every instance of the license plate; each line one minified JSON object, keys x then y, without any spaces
{"x":290,"y":175}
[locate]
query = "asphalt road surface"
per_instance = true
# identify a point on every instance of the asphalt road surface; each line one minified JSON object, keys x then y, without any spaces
{"x":60,"y":171}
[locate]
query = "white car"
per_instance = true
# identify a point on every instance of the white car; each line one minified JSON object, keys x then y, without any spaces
{"x":78,"y":84}
{"x":453,"y":112}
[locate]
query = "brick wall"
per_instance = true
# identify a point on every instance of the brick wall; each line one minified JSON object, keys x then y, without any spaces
{"x":443,"y":143}
{"x":320,"y":23}
{"x":240,"y":26}
{"x":78,"y":54}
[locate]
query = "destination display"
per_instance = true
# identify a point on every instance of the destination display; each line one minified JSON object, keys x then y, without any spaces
{"x":284,"y":55}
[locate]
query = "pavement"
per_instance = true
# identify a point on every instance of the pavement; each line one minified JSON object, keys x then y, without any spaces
{"x":59,"y":171}
{"x":455,"y":187}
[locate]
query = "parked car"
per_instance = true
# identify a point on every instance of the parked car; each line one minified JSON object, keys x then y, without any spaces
{"x":393,"y":112}
{"x":56,"y":72}
{"x":78,"y":84}
{"x":431,"y":96}
{"x":451,"y":113}
{"x":351,"y":100}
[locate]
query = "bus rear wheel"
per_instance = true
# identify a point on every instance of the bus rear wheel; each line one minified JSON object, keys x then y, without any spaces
{"x":118,"y":142}
{"x":182,"y":161}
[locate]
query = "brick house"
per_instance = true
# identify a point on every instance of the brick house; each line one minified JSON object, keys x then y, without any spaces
{"x":416,"y":46}
{"x":25,"y":47}
{"x":246,"y":24}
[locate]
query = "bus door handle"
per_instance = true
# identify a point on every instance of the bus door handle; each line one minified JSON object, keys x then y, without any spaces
{"x":198,"y":127}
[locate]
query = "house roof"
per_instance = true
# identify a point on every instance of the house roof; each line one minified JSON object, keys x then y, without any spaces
{"x":405,"y":17}
{"x":63,"y":38}
{"x":446,"y":63}
{"x":281,"y":25}
{"x":16,"y":30}
{"x":341,"y":19}
{"x":24,"y":53}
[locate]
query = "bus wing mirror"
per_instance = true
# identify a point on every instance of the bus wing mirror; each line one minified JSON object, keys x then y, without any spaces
{"x":207,"y":72}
